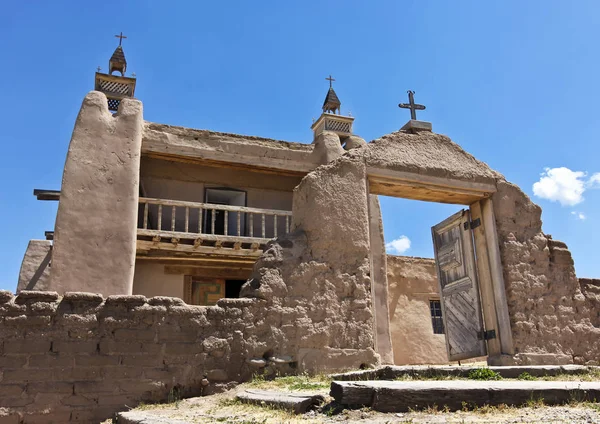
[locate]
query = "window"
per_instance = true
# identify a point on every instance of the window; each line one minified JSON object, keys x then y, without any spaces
{"x":206,"y":291}
{"x":437,"y":321}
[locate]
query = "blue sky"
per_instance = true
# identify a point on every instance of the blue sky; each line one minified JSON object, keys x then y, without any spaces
{"x":514,"y":83}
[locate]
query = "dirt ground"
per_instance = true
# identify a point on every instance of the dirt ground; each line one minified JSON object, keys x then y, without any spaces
{"x":223,"y":408}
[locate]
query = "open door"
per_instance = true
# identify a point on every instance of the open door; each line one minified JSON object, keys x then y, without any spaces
{"x":459,"y":292}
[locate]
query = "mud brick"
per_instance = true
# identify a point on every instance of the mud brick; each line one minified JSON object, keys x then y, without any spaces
{"x":128,"y":334}
{"x":82,"y":387}
{"x":50,"y":360}
{"x":78,"y":400}
{"x":25,"y":347}
{"x":96,"y":360}
{"x":51,"y":417}
{"x":115,"y":347}
{"x":11,"y":390}
{"x":49,"y":387}
{"x":12,"y":361}
{"x":123,"y":372}
{"x":142,"y":360}
{"x":183,"y":348}
{"x":21,"y":374}
{"x":87,"y":346}
{"x":80,"y":374}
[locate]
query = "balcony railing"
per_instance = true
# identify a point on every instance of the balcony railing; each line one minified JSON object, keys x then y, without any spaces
{"x":208,"y":224}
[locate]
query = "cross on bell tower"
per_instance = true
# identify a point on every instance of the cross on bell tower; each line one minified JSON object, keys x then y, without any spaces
{"x":116,"y":87}
{"x":331,"y":119}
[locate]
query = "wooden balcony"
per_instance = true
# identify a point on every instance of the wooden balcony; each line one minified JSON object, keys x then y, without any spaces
{"x":180,"y":229}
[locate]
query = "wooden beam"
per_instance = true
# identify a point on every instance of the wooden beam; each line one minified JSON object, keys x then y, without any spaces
{"x":493,"y":245}
{"x":423,"y":187}
{"x":46,"y":194}
{"x":145,"y":247}
{"x":485,"y":282}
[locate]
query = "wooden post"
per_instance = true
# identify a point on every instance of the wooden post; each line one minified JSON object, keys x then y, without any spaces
{"x":212,"y":221}
{"x":199,"y":220}
{"x":489,"y":222}
{"x":173,"y":215}
{"x":263,"y":225}
{"x":145,"y":216}
{"x":187,"y":218}
{"x":159,"y":226}
{"x":239,"y":226}
{"x":275,"y":226}
{"x":485,"y":282}
{"x":226,"y":222}
{"x":251,"y":225}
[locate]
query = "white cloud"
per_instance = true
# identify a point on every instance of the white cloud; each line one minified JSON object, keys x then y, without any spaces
{"x":398,"y":246}
{"x":579,"y":215}
{"x":594,"y":181}
{"x":562,"y":185}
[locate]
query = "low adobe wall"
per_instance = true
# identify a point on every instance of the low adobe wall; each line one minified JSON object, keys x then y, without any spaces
{"x":82,"y":357}
{"x":412,"y":283}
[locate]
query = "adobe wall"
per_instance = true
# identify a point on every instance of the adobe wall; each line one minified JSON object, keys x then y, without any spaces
{"x":412,"y":283}
{"x":151,"y":280}
{"x":553,"y":319}
{"x":82,"y":357}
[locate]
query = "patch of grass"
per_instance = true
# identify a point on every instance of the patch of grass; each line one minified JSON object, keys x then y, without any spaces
{"x":292,"y":382}
{"x":483,"y":374}
{"x":535,"y":402}
{"x":526,"y":376}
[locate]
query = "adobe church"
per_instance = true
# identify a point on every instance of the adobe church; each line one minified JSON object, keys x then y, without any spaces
{"x":154,"y":211}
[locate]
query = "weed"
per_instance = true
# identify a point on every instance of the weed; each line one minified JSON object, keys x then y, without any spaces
{"x":483,"y":374}
{"x":525,"y":376}
{"x":535,"y":401}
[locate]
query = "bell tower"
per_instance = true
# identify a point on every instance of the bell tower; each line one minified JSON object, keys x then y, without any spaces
{"x":116,"y":87}
{"x":331,"y":119}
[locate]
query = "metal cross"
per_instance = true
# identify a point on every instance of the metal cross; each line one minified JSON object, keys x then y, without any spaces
{"x":411,"y":105}
{"x":330,"y":80}
{"x":120,"y":37}
{"x":99,"y":68}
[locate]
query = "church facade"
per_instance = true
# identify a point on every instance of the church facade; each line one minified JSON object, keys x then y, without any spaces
{"x":162,"y":211}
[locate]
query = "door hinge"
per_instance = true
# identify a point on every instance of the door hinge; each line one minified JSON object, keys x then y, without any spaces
{"x":472,"y":224}
{"x":487,"y":335}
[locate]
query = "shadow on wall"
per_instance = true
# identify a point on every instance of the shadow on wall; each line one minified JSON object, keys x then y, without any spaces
{"x":412,"y":285}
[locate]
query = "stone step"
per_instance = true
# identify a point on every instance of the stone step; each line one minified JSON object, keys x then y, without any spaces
{"x":296,"y":402}
{"x":400,"y":396}
{"x":392,"y":372}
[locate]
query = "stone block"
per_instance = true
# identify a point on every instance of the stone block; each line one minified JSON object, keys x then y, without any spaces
{"x":415,"y":126}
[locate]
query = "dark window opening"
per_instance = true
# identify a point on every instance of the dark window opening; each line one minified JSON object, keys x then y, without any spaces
{"x":233,"y":287}
{"x":437,"y":321}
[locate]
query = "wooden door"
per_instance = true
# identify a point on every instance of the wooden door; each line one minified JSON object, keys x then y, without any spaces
{"x":459,"y":293}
